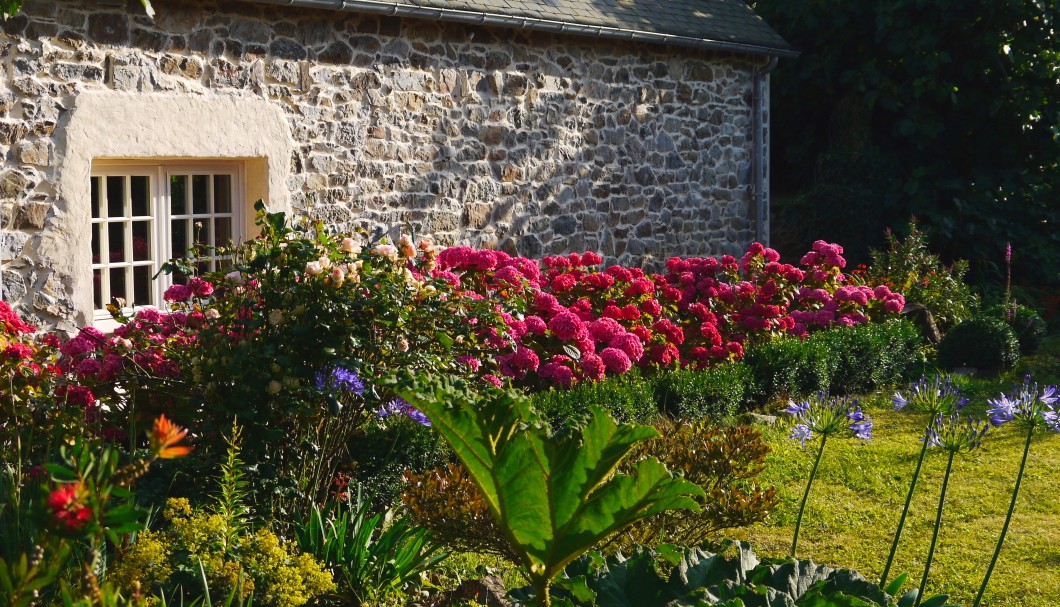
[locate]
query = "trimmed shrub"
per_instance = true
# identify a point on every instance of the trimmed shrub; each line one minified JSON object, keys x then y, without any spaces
{"x":869,"y":357}
{"x":986,"y":343}
{"x":716,"y":392}
{"x":790,"y":367}
{"x":628,"y":397}
{"x":1029,"y":326}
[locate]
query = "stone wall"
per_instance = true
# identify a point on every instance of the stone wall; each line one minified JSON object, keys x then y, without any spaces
{"x":532,"y":143}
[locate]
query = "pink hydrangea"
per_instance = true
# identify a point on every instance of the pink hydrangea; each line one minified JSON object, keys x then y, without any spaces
{"x":615,"y":360}
{"x":592,"y":366}
{"x":566,"y":325}
{"x":178,"y":292}
{"x":564,"y":283}
{"x":605,"y":329}
{"x":535,"y":325}
{"x":629,"y":344}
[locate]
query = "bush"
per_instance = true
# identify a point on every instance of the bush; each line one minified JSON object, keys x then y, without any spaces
{"x":629,"y":398}
{"x":982,"y":342}
{"x":790,"y":368}
{"x":909,"y":268}
{"x":716,"y":392}
{"x":1029,"y":326}
{"x":869,"y":357}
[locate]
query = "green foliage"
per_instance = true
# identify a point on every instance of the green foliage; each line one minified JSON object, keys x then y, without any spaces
{"x":790,"y":367}
{"x":1029,"y":326}
{"x":554,"y":496}
{"x":949,"y":111}
{"x":870,"y":357}
{"x":986,"y":343}
{"x":627,"y":397}
{"x":725,"y":462}
{"x":370,"y":559}
{"x":717,"y":392}
{"x":196,"y":545}
{"x":908,"y":267}
{"x":694,"y":577}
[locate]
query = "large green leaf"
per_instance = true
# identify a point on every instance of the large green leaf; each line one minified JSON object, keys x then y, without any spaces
{"x":555,"y":496}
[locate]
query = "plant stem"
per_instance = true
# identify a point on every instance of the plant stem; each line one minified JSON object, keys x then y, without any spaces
{"x":935,"y":535}
{"x":1008,"y":519}
{"x":806,"y":495}
{"x":905,"y":511}
{"x":541,"y":588}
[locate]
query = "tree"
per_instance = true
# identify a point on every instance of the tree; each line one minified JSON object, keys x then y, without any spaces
{"x":946,"y":110}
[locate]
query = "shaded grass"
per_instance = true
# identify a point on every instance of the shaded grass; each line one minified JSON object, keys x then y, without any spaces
{"x":861,"y":487}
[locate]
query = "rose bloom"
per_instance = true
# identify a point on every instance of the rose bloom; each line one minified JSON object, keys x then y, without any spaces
{"x":213,"y":314}
{"x":313,"y":268}
{"x":405,"y":245}
{"x":275,"y":317}
{"x":350,"y":246}
{"x":388,"y":251}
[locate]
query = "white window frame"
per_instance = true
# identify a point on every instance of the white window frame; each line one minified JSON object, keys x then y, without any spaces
{"x":161,"y":218}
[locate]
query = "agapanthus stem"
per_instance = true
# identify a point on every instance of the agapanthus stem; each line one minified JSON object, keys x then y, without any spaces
{"x":905,"y":512}
{"x":806,"y":495}
{"x":1008,"y":519}
{"x":935,"y":535}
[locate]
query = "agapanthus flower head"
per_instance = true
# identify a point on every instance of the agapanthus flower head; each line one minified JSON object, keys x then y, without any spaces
{"x":400,"y":406}
{"x":339,"y":378}
{"x":828,"y":416}
{"x":955,"y":433}
{"x":935,"y":396}
{"x":1028,"y":406}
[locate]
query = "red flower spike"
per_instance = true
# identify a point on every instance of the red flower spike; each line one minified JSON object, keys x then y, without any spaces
{"x":164,"y":438}
{"x":67,"y":507}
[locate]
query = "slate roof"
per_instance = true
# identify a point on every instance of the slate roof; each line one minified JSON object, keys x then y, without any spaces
{"x":719,"y":24}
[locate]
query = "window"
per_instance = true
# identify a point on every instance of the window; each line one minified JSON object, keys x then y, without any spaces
{"x":145,"y":214}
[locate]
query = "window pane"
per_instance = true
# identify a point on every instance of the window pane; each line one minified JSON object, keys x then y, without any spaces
{"x":178,"y":194}
{"x":117,"y":242}
{"x":142,"y":285}
{"x":96,"y":206}
{"x":222,"y":193}
{"x":200,"y":188}
{"x":97,"y":288}
{"x":180,"y":237}
{"x":141,"y":240}
{"x":117,"y":283}
{"x":96,"y":229}
{"x":116,"y":196}
{"x":140,"y":192}
{"x":223,"y":230}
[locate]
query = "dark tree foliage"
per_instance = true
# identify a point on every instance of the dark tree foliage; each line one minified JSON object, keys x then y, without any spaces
{"x":947,"y":110}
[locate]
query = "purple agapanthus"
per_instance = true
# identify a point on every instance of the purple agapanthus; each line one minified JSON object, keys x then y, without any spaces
{"x":400,"y":406}
{"x":339,"y":378}
{"x":940,"y":395}
{"x":1028,"y":407}
{"x":828,"y":416}
{"x":955,"y":433}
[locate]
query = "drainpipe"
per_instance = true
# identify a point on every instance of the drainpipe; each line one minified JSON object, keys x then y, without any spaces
{"x":761,"y":148}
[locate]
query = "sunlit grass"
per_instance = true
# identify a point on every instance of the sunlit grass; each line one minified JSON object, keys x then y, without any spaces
{"x":861,"y":487}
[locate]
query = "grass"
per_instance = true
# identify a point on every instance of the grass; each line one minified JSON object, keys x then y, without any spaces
{"x":861,"y":487}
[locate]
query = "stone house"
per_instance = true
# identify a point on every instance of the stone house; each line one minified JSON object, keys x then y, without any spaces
{"x":635,"y":128}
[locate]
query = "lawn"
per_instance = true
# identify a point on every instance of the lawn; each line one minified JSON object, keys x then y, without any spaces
{"x":861,"y":487}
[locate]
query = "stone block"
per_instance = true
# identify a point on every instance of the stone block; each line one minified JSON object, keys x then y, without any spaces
{"x":12,"y":244}
{"x":35,"y":152}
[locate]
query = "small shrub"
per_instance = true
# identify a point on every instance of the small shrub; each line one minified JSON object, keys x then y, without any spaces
{"x":790,"y":367}
{"x":725,"y":461}
{"x":909,"y":268}
{"x":629,"y":398}
{"x":716,"y":392}
{"x":983,"y":342}
{"x":386,"y":448}
{"x":1029,"y":326}
{"x":868,"y":357}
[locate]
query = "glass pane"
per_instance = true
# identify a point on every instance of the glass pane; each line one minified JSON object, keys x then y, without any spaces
{"x":142,"y":285}
{"x":97,"y":288}
{"x":141,"y":231}
{"x":180,"y":237}
{"x":140,"y":192}
{"x":178,"y":194}
{"x":200,"y":196}
{"x":204,"y":267}
{"x":223,"y":230}
{"x":95,"y":197}
{"x":117,"y":242}
{"x":117,"y":283}
{"x":222,"y":193}
{"x":96,"y":229}
{"x":116,"y":196}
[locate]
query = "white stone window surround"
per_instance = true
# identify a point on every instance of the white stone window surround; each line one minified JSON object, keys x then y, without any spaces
{"x":164,"y":226}
{"x":109,"y":125}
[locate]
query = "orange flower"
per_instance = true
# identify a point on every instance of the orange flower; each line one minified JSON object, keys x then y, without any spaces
{"x":164,"y":437}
